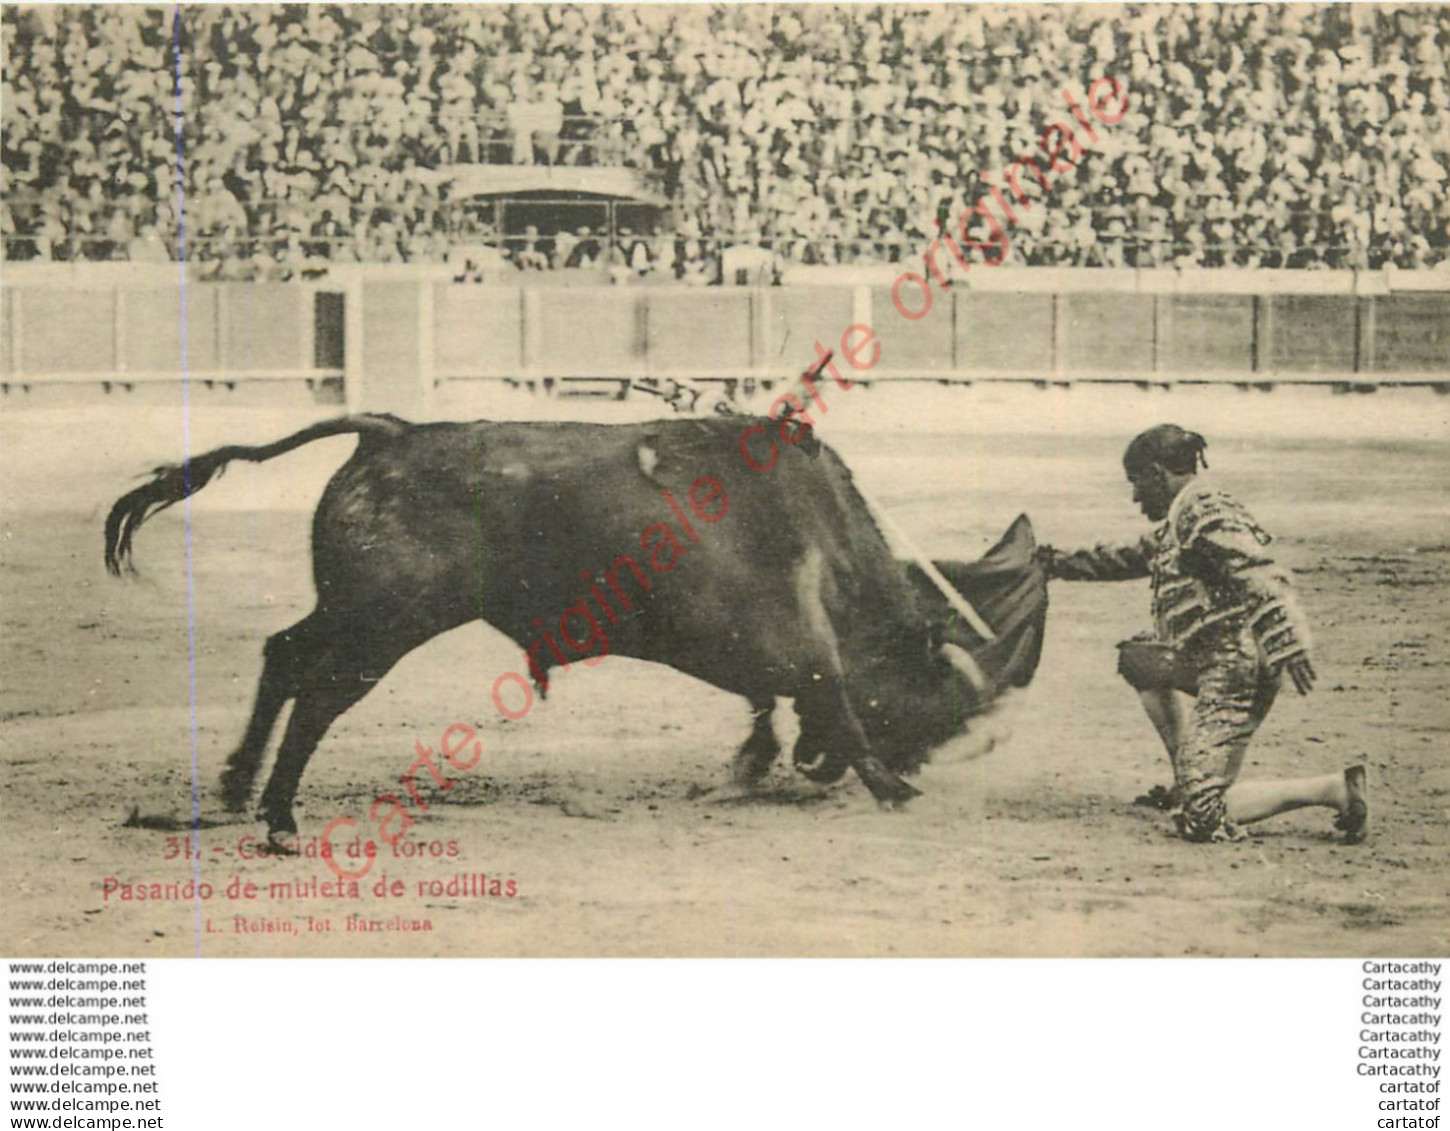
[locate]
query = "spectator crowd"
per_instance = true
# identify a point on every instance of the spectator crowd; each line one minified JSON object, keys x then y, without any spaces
{"x":1257,"y":135}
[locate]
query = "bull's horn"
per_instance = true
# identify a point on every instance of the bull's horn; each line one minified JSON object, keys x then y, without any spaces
{"x":890,"y":529}
{"x":962,"y":660}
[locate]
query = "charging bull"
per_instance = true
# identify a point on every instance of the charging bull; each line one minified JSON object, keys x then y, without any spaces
{"x":737,"y":550}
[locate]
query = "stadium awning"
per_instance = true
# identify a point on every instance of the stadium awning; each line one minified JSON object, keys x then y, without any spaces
{"x":564,"y":181}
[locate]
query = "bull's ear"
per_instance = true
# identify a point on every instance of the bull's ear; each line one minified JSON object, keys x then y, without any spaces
{"x":803,"y":435}
{"x":962,"y":661}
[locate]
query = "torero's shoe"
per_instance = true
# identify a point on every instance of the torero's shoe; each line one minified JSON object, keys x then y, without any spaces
{"x":1353,"y":822}
{"x":1160,"y":797}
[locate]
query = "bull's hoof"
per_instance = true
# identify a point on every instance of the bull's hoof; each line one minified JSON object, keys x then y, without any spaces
{"x":746,"y":770}
{"x":280,"y":844}
{"x":890,"y":790}
{"x":898,"y":796}
{"x":826,"y":769}
{"x":235,"y":790}
{"x":281,"y":831}
{"x":821,"y":766}
{"x":753,"y":761}
{"x":281,"y":834}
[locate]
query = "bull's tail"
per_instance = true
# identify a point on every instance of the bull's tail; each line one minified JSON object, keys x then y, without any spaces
{"x":171,"y":483}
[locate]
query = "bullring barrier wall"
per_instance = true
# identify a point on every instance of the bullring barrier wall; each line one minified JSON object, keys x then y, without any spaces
{"x":386,"y":338}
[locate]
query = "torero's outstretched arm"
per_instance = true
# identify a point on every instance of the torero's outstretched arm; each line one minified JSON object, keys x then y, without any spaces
{"x":1107,"y":561}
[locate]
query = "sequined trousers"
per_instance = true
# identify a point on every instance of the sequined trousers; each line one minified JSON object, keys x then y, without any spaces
{"x":1233,"y":690}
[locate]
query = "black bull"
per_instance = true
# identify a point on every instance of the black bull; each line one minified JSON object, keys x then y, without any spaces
{"x":776,"y":584}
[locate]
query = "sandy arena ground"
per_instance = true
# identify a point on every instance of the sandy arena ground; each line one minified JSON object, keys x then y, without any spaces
{"x":608,"y":807}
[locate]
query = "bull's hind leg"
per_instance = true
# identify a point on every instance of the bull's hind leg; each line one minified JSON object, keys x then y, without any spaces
{"x":338,"y":673}
{"x":760,"y":749}
{"x":316,"y":710}
{"x":282,"y":657}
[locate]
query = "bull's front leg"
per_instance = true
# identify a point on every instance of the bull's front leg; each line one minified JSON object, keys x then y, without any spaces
{"x":817,"y":753}
{"x":824,"y":694}
{"x":759,"y":751}
{"x":842,"y":743}
{"x":889,"y":789}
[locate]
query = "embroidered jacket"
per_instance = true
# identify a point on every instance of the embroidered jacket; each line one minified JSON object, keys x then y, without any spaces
{"x":1210,"y":565}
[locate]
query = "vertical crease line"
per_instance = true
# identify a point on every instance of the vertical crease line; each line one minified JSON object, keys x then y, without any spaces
{"x":195,"y":840}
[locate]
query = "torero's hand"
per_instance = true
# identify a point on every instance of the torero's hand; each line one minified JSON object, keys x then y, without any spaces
{"x":1046,"y":557}
{"x":1301,"y":671}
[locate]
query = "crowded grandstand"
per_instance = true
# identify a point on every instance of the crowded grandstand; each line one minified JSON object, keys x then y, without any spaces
{"x":1256,"y":136}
